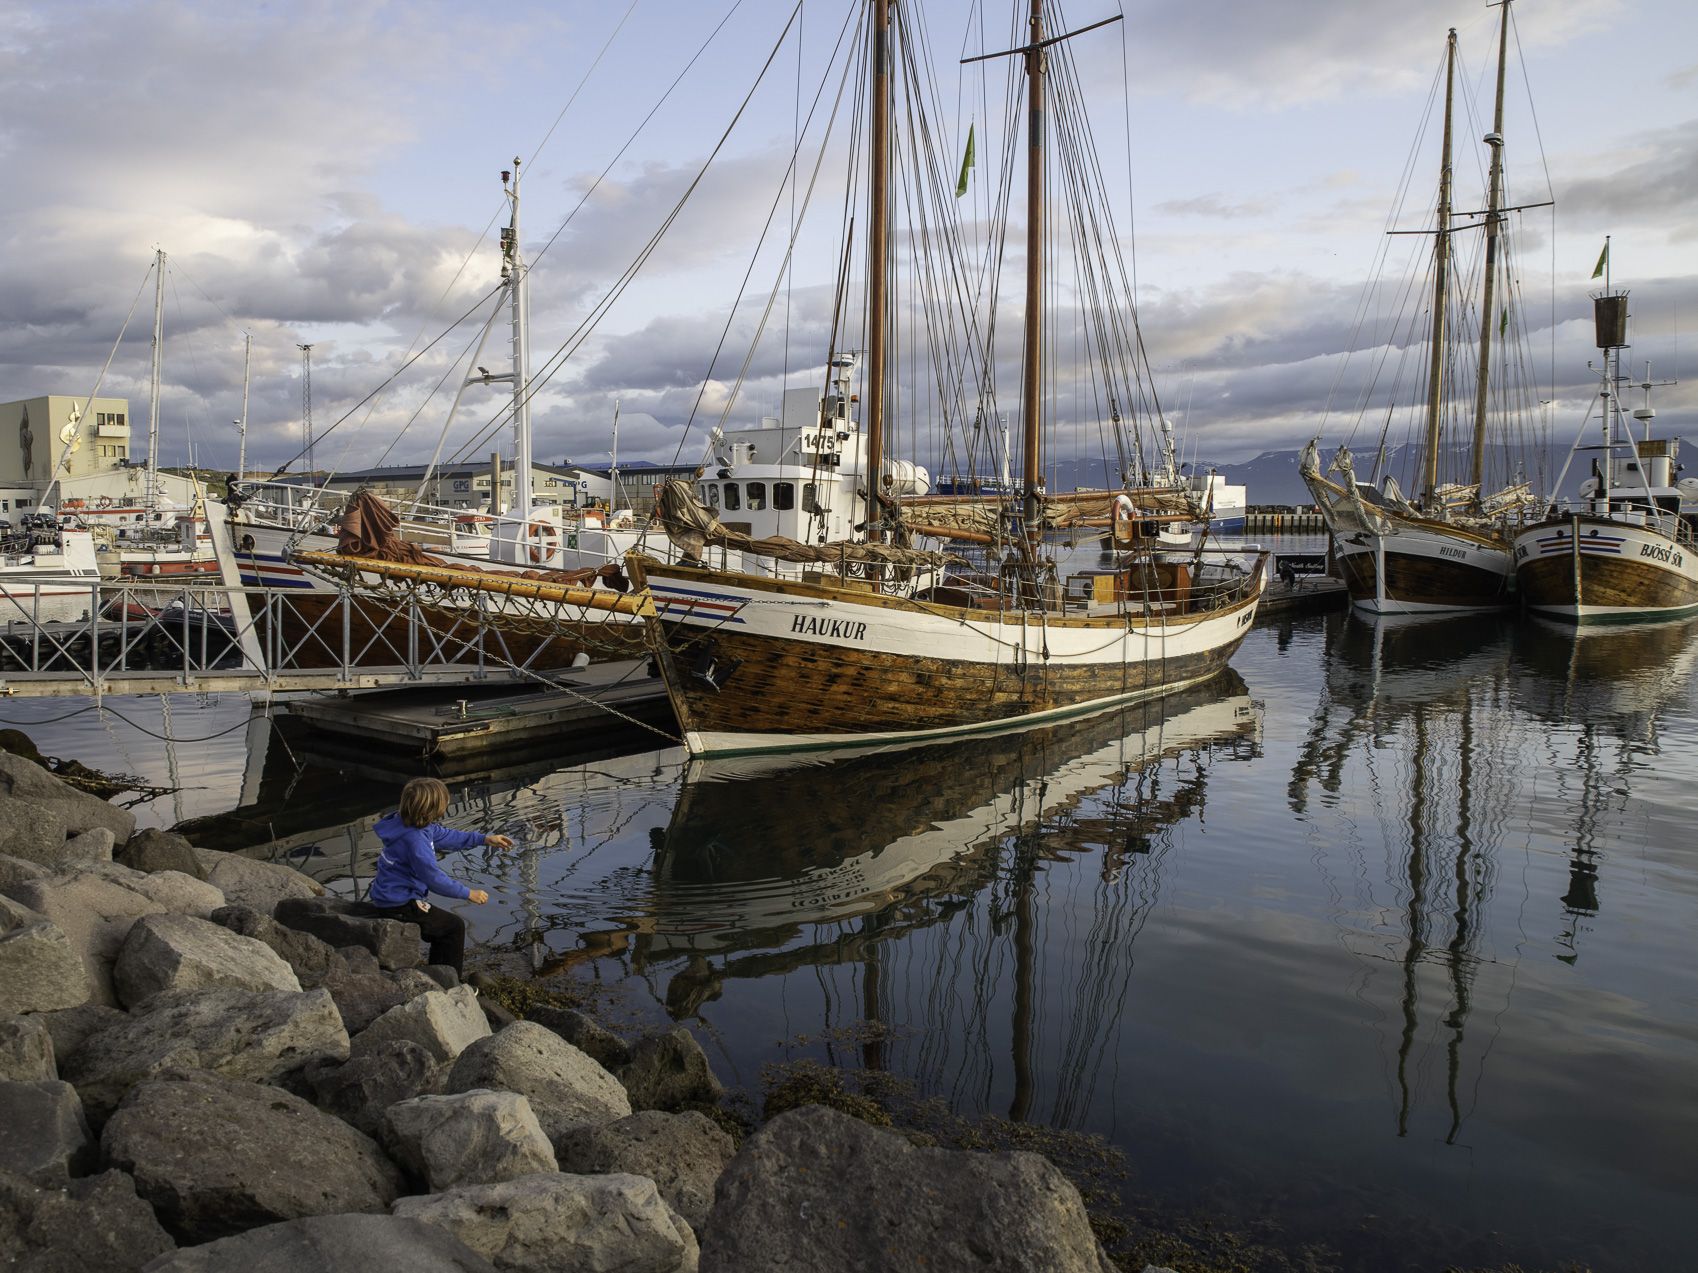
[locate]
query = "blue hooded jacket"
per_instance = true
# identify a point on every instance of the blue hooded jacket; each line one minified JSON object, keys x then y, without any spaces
{"x":407,"y":869}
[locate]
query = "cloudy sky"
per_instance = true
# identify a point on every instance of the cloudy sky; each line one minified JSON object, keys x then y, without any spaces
{"x":329,"y":173}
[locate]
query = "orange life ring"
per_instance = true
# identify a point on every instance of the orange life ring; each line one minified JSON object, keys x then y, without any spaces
{"x":540,"y":552}
{"x":105,"y":501}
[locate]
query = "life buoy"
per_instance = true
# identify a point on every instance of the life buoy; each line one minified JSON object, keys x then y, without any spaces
{"x":540,"y":550}
{"x":105,"y":501}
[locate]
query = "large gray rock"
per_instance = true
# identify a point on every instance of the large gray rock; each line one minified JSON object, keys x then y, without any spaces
{"x":815,"y":1189}
{"x":26,"y":1050}
{"x":344,"y":923}
{"x":331,"y":1244}
{"x":565,"y":1087}
{"x":216,"y":1156}
{"x":443,"y":1022}
{"x":95,"y":913}
{"x":585,"y":1034}
{"x":413,"y":982}
{"x":178,"y":893}
{"x":35,"y":807}
{"x":261,"y":885}
{"x":361,"y":999}
{"x":263,"y":1038}
{"x":41,"y":971}
{"x":361,"y":1091}
{"x":94,"y":845}
{"x":669,"y":1070}
{"x":179,"y":952}
{"x":470,"y":1138}
{"x":16,"y":915}
{"x":552,"y":1221}
{"x":46,"y":1136}
{"x":154,"y":850}
{"x":303,"y":952}
{"x":95,"y":1225}
{"x":683,"y":1154}
{"x":71,"y":1026}
{"x":15,"y":870}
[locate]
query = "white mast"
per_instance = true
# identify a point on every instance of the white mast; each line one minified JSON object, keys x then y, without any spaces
{"x":613,"y":488}
{"x":242,"y":424}
{"x":153,"y":388}
{"x":519,"y":294}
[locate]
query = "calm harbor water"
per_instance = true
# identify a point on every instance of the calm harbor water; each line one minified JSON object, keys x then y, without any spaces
{"x":1385,"y":937}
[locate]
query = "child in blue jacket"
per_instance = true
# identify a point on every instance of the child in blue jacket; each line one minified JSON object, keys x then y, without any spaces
{"x":407,"y":869}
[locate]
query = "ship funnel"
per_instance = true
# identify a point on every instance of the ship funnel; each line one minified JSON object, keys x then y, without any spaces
{"x":1609,"y":314}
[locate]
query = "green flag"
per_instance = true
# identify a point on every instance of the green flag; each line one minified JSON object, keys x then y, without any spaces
{"x":1503,"y":323}
{"x":966,"y":163}
{"x":1603,"y":260}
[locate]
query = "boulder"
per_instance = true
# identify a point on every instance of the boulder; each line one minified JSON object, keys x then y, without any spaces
{"x":40,"y":971}
{"x":669,"y":1070}
{"x":94,"y":845}
{"x":38,"y":795}
{"x":178,"y":893}
{"x":261,"y":885}
{"x":819,"y":1190}
{"x":361,"y":1091}
{"x":442,"y":975}
{"x":259,"y":1037}
{"x":14,"y":870}
{"x":71,"y":1026}
{"x":552,"y":1221}
{"x":609,"y":1050}
{"x":474,"y":1138}
{"x":331,"y":1244}
{"x":344,"y":923}
{"x":361,"y":999}
{"x":26,"y":1050}
{"x":16,"y":915}
{"x":179,"y":952}
{"x":413,"y":982}
{"x":683,"y":1154}
{"x":443,"y":1022}
{"x":95,"y":913}
{"x":216,"y":1156}
{"x":46,"y":1137}
{"x":359,"y":960}
{"x":154,"y":850}
{"x":303,"y":952}
{"x":93,"y":1225}
{"x":565,"y":1087}
{"x":34,"y":832}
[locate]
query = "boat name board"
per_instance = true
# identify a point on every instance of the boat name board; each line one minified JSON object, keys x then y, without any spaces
{"x":830,"y":629}
{"x":1660,"y":552}
{"x":1445,"y":550}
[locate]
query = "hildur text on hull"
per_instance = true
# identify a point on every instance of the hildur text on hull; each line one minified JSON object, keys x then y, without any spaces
{"x":1626,"y":549}
{"x":1450,"y":548}
{"x":867,"y":639}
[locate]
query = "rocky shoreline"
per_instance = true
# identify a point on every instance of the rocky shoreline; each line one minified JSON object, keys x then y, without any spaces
{"x":206,"y":1064}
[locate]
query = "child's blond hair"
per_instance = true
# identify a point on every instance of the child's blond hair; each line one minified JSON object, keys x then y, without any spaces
{"x":423,"y":801}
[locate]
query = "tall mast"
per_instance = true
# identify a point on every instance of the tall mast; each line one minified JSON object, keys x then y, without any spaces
{"x":519,"y":296}
{"x":878,"y":257}
{"x":242,"y":424}
{"x":153,"y":387}
{"x":1031,"y":454}
{"x":1441,"y":281}
{"x":1494,"y":201}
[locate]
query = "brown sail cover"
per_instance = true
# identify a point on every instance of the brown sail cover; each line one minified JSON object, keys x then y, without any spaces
{"x":692,"y":525}
{"x":367,"y":530}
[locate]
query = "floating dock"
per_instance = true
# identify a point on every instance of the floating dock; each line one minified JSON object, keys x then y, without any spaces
{"x":579,"y":704}
{"x":1311,"y":594}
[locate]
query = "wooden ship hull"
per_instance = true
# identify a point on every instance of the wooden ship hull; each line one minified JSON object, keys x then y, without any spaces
{"x":1425,"y":569}
{"x":755,"y":664}
{"x":1591,"y":568}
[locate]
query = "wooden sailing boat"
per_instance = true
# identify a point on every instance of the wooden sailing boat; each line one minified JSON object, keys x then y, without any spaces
{"x":766,"y":663}
{"x":1626,"y":550}
{"x":1450,"y":549}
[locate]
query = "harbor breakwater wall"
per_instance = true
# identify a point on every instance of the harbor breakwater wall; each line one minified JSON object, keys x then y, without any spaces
{"x":206,"y":1064}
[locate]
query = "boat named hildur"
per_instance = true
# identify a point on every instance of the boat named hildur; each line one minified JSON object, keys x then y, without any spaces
{"x":871,"y":640}
{"x":1448,"y":549}
{"x":1625,"y":551}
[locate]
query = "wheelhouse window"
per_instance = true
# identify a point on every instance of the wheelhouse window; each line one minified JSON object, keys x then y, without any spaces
{"x":713,"y":494}
{"x":810,"y":504}
{"x":732,"y":498}
{"x":756,"y":491}
{"x":784,"y":496}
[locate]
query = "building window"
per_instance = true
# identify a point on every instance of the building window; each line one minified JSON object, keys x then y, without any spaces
{"x":732,"y":498}
{"x":757,"y":497}
{"x":784,"y":496}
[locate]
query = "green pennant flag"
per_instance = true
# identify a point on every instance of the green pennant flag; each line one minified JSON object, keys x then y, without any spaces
{"x":1603,"y":260}
{"x":1503,"y":323}
{"x":966,"y":163}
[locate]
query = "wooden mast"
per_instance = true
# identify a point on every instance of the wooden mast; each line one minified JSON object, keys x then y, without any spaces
{"x":1441,"y":281}
{"x":1493,"y":217}
{"x":878,"y":259}
{"x":1031,"y":446}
